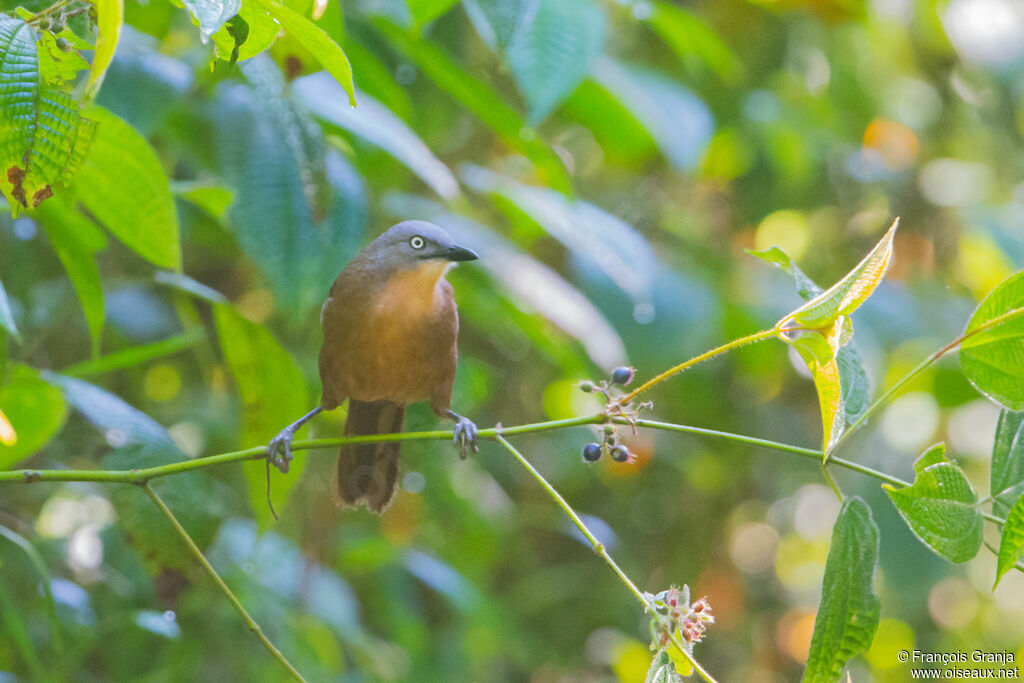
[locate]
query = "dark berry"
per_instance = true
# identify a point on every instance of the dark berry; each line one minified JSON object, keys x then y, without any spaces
{"x":592,"y":452}
{"x":620,"y":454}
{"x":622,"y":376}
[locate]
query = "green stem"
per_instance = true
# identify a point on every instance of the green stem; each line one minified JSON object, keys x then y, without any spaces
{"x":599,"y":548}
{"x":922,"y":366}
{"x":735,"y":343}
{"x":250,"y":622}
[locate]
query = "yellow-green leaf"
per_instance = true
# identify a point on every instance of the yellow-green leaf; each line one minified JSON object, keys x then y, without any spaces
{"x":820,"y":352}
{"x":993,"y":359}
{"x":319,"y":44}
{"x":109,"y":19}
{"x":845,"y":296}
{"x":124,"y":186}
{"x":34,"y":412}
{"x":1011,"y":544}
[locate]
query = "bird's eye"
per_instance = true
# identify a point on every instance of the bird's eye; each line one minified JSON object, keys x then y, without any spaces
{"x":416,"y":242}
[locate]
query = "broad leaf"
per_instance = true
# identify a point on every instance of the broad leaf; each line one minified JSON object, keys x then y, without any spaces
{"x":855,"y":387}
{"x":499,"y":21}
{"x":677,"y":119}
{"x":76,"y":240}
{"x":551,"y":55}
{"x":1011,"y":545}
{"x":694,"y":41}
{"x":941,"y":506}
{"x":6,"y":315}
{"x":34,"y":412}
{"x":124,"y":186}
{"x":611,"y":244}
{"x":993,"y":359}
{"x":109,"y":19}
{"x":260,"y":33}
{"x":848,"y":613}
{"x":483,"y":101}
{"x":1007,"y":475}
{"x":212,"y":14}
{"x":273,"y":220}
{"x":122,"y":424}
{"x":191,"y":496}
{"x":273,"y":393}
{"x":375,"y":124}
{"x":318,"y":43}
{"x":43,"y":137}
{"x":846,"y":296}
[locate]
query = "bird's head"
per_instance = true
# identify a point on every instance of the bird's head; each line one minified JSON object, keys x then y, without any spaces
{"x":412,"y":244}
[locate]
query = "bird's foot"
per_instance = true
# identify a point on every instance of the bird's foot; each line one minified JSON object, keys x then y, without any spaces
{"x":279,"y":450}
{"x":465,"y":434}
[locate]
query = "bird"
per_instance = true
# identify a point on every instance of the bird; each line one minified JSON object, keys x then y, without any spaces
{"x":390,"y":328}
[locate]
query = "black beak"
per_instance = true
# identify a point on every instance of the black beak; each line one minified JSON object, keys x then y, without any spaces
{"x":457,"y":253}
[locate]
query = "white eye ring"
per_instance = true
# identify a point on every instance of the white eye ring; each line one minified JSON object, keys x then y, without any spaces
{"x":416,"y":242}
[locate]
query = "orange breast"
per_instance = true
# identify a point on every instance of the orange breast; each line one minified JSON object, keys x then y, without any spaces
{"x":401,"y":345}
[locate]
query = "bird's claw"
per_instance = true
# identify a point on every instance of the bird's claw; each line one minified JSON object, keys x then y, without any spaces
{"x":279,"y":450}
{"x":465,"y":436}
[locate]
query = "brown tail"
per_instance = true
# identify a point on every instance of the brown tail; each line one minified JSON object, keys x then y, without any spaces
{"x":368,"y":473}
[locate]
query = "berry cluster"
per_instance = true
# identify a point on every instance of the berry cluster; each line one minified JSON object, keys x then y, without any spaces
{"x":592,"y":452}
{"x":673,"y":613}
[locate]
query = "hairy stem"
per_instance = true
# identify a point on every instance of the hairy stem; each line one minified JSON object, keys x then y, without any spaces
{"x":924,"y":365}
{"x":597,"y":545}
{"x":250,"y":622}
{"x":675,"y":370}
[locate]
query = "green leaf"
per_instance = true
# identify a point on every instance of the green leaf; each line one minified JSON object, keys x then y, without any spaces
{"x":1011,"y":544}
{"x":499,"y":21}
{"x":484,"y":102}
{"x":262,"y":33}
{"x":213,"y":199}
{"x":272,"y":392}
{"x":271,"y":216}
{"x":940,"y":507}
{"x":319,"y":44}
{"x":43,"y":137}
{"x":694,"y":41}
{"x":124,"y":186}
{"x":7,"y":316}
{"x":993,"y":359}
{"x":846,"y":296}
{"x":550,"y":56}
{"x":1007,"y":475}
{"x":136,"y":355}
{"x":55,"y":65}
{"x":677,"y":119}
{"x":212,"y":14}
{"x":109,"y":19}
{"x":377,"y":125}
{"x":855,"y":387}
{"x":662,"y":670}
{"x":848,"y":613}
{"x":425,"y":11}
{"x":76,"y":240}
{"x":122,"y":424}
{"x":611,"y":244}
{"x":34,"y":411}
{"x":191,"y":496}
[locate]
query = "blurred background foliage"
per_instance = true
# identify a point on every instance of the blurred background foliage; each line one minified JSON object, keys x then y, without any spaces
{"x":609,"y":161}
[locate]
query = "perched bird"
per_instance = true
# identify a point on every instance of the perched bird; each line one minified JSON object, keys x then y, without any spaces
{"x":390,"y":329}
